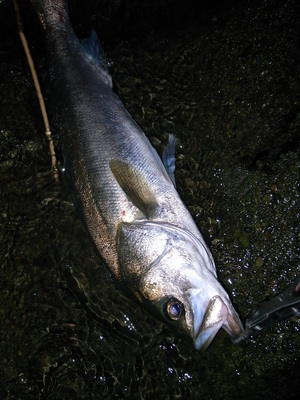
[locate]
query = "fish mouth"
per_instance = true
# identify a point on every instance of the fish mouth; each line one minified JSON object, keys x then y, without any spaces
{"x":217,"y":315}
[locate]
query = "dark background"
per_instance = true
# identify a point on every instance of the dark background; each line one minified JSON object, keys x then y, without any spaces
{"x":224,"y":78}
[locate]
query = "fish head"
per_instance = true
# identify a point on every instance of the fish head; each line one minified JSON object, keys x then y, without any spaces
{"x":172,"y":273}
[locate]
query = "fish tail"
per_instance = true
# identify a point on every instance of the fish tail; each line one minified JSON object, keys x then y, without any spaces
{"x":61,"y":38}
{"x":52,"y":13}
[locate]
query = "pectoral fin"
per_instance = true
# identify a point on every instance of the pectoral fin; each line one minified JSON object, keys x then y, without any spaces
{"x":135,"y":186}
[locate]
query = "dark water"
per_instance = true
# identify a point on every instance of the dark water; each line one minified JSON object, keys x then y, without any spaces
{"x":225,"y":81}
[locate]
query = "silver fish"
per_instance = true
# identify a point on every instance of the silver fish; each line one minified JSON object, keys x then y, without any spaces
{"x":131,"y":208}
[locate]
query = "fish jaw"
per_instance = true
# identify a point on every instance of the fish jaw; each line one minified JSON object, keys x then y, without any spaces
{"x":219,"y":313}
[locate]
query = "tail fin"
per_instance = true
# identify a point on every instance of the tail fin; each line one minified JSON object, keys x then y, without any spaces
{"x":51,"y":12}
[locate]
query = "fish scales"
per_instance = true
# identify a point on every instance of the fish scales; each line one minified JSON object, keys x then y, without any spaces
{"x":128,"y":201}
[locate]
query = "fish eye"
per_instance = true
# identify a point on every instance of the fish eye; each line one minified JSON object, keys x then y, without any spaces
{"x":174,"y":309}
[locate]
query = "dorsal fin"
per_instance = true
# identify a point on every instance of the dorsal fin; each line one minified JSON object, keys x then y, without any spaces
{"x":93,"y":50}
{"x":135,"y":186}
{"x":168,"y":157}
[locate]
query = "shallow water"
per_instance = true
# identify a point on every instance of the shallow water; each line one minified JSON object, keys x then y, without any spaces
{"x":226,"y":83}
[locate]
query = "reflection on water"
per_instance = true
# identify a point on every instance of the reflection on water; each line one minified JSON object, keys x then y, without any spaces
{"x":229,"y":92}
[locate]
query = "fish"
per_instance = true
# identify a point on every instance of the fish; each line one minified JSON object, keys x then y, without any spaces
{"x":128,"y":201}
